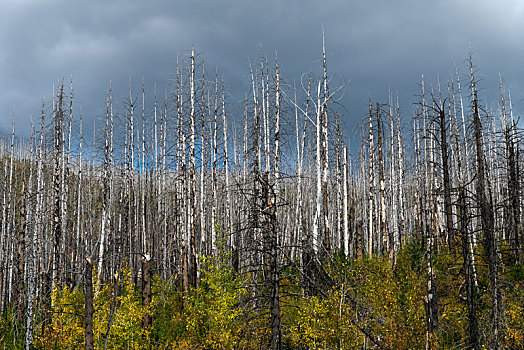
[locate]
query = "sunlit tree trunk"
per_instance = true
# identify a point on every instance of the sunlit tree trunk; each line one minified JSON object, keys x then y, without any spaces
{"x":325,"y":151}
{"x":58,"y":120}
{"x":345,"y":204}
{"x":106,"y":189}
{"x":371,"y":182}
{"x":192,"y":174}
{"x":229,"y":222}
{"x":382,"y":183}
{"x":318,"y":212}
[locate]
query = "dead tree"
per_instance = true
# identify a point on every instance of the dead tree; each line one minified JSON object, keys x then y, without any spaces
{"x":58,"y":120}
{"x":371,"y":183}
{"x":446,"y":177}
{"x":106,"y":188}
{"x":146,"y":290}
{"x":513,"y":178}
{"x":89,"y":311}
{"x":382,"y":183}
{"x":483,"y":196}
{"x":467,"y":266}
{"x":270,"y":229}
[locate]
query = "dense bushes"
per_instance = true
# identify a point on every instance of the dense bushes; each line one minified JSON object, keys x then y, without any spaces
{"x":367,"y":296}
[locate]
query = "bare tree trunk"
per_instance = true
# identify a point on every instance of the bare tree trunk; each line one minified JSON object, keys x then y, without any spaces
{"x":471,"y":292}
{"x":486,"y":210}
{"x":382,"y":182}
{"x":516,"y":199}
{"x":32,"y":265}
{"x":204,"y":241}
{"x":371,"y":180}
{"x":57,"y":180}
{"x":393,"y":188}
{"x":430,"y":299}
{"x":88,"y":327}
{"x":325,"y":152}
{"x":20,"y":258}
{"x":318,"y":213}
{"x":145,"y":240}
{"x":277,"y":130}
{"x":446,"y":179}
{"x":214,"y":151}
{"x":273,"y":277}
{"x":264,"y":82}
{"x":298,"y":203}
{"x":401,"y":208}
{"x":106,"y":191}
{"x":513,"y":182}
{"x":192,"y":180}
{"x":338,"y":234}
{"x":78,"y":238}
{"x":146,"y":290}
{"x":345,"y":196}
{"x":229,"y":219}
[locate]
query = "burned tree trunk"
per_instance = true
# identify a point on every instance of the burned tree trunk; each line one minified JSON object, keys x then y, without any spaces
{"x":21,"y":257}
{"x":447,"y":182}
{"x":88,"y":327}
{"x":487,"y":219}
{"x":371,"y":180}
{"x":146,"y":290}
{"x":270,"y":228}
{"x":471,"y":291}
{"x":57,"y":196}
{"x":383,"y":230}
{"x":513,"y":183}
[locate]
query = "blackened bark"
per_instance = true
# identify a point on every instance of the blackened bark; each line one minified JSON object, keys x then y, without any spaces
{"x":271,"y":254}
{"x":471,"y":292}
{"x":146,"y":290}
{"x":185,"y":274}
{"x":359,"y":239}
{"x":447,"y":182}
{"x":383,"y":230}
{"x":430,"y":300}
{"x":487,"y":219}
{"x":57,"y":195}
{"x":88,"y":327}
{"x":513,"y":192}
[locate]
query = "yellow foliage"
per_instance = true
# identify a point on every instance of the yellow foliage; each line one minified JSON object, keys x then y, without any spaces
{"x":67,"y":328}
{"x":213,"y":309}
{"x":126,"y":327}
{"x":515,"y":321}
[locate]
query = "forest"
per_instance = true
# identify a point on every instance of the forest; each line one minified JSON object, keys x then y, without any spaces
{"x":202,"y":223}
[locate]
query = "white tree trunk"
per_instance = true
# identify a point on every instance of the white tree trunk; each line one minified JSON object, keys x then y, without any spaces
{"x":318,"y":213}
{"x":345,"y":200}
{"x":371,"y":179}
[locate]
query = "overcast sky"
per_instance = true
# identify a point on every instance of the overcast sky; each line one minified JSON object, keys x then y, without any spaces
{"x":374,"y":45}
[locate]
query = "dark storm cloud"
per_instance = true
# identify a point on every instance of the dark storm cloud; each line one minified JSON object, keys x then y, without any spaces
{"x":376,"y":45}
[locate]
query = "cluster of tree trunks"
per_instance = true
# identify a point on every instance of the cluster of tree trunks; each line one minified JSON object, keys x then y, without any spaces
{"x":273,"y":187}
